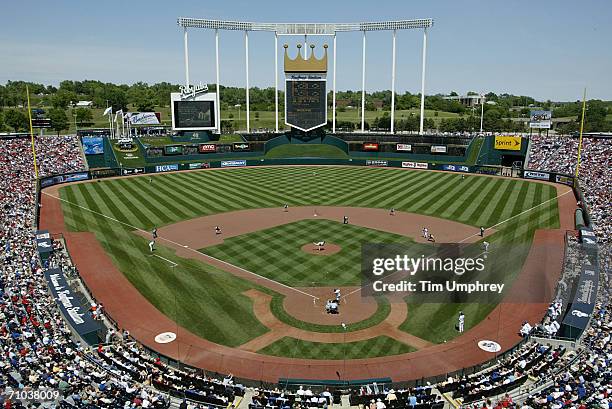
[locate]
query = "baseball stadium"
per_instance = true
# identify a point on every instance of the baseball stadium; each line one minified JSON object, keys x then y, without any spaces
{"x":161,"y":259}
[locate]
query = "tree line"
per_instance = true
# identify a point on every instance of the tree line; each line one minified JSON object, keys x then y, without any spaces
{"x":502,"y":112}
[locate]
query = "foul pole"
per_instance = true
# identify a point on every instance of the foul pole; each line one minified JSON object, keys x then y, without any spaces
{"x":580,"y":140}
{"x":32,"y":133}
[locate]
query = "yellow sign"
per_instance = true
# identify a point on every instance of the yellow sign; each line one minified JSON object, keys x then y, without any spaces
{"x":508,"y":143}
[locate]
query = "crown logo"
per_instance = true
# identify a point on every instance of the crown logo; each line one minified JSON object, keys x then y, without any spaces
{"x":300,"y":64}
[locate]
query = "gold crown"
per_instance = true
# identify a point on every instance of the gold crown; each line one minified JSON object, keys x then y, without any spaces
{"x":299,"y":64}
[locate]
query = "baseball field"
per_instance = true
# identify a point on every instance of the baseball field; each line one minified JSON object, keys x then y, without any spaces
{"x":260,"y":286}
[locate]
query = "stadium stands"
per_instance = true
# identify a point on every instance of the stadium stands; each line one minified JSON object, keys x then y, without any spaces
{"x":39,"y":351}
{"x":558,"y":154}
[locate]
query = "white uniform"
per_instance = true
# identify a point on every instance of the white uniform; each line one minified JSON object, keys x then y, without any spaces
{"x":461,"y":322}
{"x":152,"y":245}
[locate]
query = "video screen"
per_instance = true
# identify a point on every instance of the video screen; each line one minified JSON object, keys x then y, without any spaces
{"x":194,"y":114}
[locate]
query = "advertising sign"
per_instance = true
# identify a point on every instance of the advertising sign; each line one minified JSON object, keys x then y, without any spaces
{"x":508,"y":143}
{"x":199,"y":165}
{"x":93,"y":145}
{"x":41,"y":123}
{"x":438,"y":148}
{"x":72,"y":177}
{"x":241,"y":147}
{"x":173,"y":149}
{"x":403,"y":147}
{"x":166,"y":168}
{"x":370,"y":146}
{"x":132,"y":171}
{"x":456,"y":168}
{"x":415,"y":165}
{"x":144,"y":118}
{"x":584,"y":300}
{"x":540,"y":119}
{"x":566,"y":180}
{"x":207,"y":148}
{"x":531,"y":174}
{"x":43,"y":242}
{"x":77,"y":315}
{"x":377,"y":163}
{"x":232,"y":163}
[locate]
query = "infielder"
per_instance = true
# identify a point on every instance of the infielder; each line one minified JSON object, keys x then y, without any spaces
{"x":482,"y":230}
{"x":461,"y":322}
{"x":152,"y":246}
{"x":286,"y":207}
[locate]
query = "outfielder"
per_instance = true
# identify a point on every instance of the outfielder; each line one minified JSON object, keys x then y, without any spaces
{"x":461,"y":322}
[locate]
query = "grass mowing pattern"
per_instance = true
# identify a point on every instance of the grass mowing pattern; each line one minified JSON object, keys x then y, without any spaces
{"x":275,"y":253}
{"x":215,"y":309}
{"x":197,"y":296}
{"x":370,"y":348}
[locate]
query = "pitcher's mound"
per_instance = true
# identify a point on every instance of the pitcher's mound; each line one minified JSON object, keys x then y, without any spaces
{"x":328,"y":250}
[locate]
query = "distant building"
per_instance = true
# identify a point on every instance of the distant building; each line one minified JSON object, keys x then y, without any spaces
{"x":468,"y":100}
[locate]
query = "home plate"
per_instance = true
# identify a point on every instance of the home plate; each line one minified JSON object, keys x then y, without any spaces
{"x":165,"y":337}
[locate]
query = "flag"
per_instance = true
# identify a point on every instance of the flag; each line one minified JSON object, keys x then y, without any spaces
{"x":107,"y":111}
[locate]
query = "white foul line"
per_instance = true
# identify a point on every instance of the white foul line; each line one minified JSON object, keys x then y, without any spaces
{"x":181,"y":245}
{"x":172,"y":263}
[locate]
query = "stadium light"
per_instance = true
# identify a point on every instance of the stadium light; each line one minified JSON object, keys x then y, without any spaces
{"x":306,"y":29}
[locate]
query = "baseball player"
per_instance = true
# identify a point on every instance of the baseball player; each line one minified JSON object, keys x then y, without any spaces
{"x":286,"y":207}
{"x":345,"y":220}
{"x":217,"y":230}
{"x":152,"y":246}
{"x":482,"y":230}
{"x":485,"y":246}
{"x":461,"y":322}
{"x":154,"y":233}
{"x":392,"y":212}
{"x":337,"y":294}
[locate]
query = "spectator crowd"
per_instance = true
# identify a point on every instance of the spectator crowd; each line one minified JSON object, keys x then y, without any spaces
{"x":39,"y":353}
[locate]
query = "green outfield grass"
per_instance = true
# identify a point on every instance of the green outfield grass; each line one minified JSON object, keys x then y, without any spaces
{"x":210,"y":302}
{"x":370,"y":348}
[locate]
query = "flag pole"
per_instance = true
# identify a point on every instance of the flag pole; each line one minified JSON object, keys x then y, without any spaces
{"x":32,"y":133}
{"x":580,"y":140}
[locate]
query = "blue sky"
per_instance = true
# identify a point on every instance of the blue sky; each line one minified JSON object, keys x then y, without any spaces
{"x":547,"y":49}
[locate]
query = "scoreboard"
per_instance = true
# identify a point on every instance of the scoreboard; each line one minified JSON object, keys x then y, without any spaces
{"x":305,"y":103}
